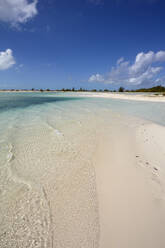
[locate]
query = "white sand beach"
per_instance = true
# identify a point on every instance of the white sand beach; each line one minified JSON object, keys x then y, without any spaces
{"x":130,"y":178}
{"x":151,"y":97}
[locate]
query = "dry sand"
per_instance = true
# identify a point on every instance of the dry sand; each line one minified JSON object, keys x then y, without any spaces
{"x":127,"y":96}
{"x":130,"y":182}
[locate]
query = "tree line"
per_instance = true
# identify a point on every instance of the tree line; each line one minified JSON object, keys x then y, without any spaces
{"x":157,"y":88}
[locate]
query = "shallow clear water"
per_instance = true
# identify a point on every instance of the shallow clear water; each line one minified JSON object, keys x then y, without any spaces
{"x":46,"y":142}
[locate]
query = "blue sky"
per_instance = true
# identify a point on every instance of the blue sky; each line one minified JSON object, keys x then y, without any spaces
{"x":82,"y":43}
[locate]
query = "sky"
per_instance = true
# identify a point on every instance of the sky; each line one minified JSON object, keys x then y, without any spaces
{"x":82,"y":43}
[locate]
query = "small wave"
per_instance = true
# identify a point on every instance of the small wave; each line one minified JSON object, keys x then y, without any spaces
{"x":10,"y":155}
{"x":6,"y":154}
{"x":57,"y":132}
{"x":11,"y":174}
{"x":79,"y":123}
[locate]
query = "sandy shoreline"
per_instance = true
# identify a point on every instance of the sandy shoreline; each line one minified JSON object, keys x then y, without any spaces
{"x":151,"y":97}
{"x":130,"y":182}
{"x":129,"y":96}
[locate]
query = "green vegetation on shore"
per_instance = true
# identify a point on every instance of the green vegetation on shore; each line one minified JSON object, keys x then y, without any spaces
{"x":158,"y":88}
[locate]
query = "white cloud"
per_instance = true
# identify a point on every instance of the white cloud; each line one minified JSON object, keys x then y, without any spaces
{"x":6,"y":59}
{"x":141,"y":71}
{"x":17,"y":11}
{"x":120,"y":60}
{"x":96,"y":78}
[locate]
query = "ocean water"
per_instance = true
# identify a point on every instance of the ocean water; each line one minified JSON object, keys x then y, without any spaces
{"x":47,"y":180}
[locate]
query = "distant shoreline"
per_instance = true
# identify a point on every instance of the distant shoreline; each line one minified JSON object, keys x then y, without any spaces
{"x":157,"y":90}
{"x":136,"y":96}
{"x":20,"y":91}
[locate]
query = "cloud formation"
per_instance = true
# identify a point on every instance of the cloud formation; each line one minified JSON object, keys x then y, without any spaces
{"x":96,"y":78}
{"x":144,"y":69}
{"x":17,"y":11}
{"x":6,"y":59}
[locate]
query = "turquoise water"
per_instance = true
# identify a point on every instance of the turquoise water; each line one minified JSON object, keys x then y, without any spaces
{"x":10,"y":101}
{"x":151,"y":111}
{"x":46,"y":139}
{"x":20,"y":113}
{"x":17,"y":102}
{"x":41,"y":159}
